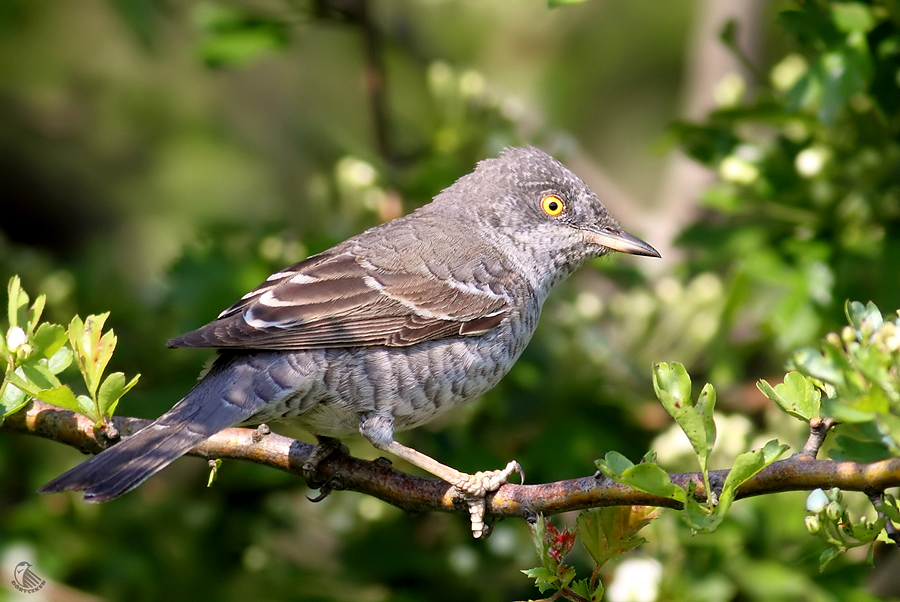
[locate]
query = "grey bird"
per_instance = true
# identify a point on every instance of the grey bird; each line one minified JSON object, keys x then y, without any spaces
{"x":387,"y":330}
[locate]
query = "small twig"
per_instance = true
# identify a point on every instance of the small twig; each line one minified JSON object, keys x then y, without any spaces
{"x":375,"y":77}
{"x":893,"y":533}
{"x":818,"y":431}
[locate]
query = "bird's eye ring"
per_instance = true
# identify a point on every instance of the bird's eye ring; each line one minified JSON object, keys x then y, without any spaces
{"x":552,"y":205}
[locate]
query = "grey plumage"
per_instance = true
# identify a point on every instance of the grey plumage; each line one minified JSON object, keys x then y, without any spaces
{"x":388,"y":329}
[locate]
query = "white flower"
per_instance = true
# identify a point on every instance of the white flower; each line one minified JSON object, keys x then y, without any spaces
{"x":15,"y":338}
{"x":817,"y":501}
{"x":635,"y":580}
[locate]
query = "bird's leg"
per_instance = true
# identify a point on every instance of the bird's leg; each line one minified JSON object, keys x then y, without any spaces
{"x":379,"y":430}
{"x":324,"y":448}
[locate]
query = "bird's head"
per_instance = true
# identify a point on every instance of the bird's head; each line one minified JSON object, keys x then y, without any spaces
{"x":539,"y":206}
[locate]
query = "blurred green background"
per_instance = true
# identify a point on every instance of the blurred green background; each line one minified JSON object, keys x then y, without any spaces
{"x":158,"y":159}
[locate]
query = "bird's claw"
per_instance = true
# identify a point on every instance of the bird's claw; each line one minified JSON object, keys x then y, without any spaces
{"x":474,"y":489}
{"x":324,"y":448}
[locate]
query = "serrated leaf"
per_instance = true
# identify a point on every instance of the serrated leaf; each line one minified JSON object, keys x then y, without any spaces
{"x":544,"y":578}
{"x":607,"y":532}
{"x":16,"y":300}
{"x":654,"y":480}
{"x":583,"y":589}
{"x":37,"y":308}
{"x":797,"y":395}
{"x":698,"y":517}
{"x":40,"y":376}
{"x":866,"y":532}
{"x":745,"y":467}
{"x":21,"y":381}
{"x":93,"y":349}
{"x":673,"y":388}
{"x":61,"y":396}
{"x":538,"y":530}
{"x":614,"y":464}
{"x":48,"y":339}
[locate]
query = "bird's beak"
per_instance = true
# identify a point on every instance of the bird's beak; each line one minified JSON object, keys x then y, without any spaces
{"x":616,"y":239}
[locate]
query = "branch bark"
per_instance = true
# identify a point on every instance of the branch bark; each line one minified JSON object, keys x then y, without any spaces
{"x":379,"y":479}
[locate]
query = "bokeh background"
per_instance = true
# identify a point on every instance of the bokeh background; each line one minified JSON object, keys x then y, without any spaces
{"x":160,"y":158}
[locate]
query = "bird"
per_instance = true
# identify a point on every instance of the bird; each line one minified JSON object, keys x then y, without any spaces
{"x":387,"y":330}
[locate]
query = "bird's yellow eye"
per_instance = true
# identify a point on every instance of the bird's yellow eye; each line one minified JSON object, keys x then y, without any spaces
{"x":552,"y":205}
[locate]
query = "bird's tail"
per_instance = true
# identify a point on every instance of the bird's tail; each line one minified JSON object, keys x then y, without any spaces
{"x":210,"y":407}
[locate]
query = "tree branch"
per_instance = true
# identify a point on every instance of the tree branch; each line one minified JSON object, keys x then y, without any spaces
{"x":379,"y":479}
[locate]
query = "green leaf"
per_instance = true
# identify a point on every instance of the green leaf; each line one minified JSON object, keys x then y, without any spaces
{"x":852,"y":16}
{"x":614,"y":464}
{"x":13,"y":399}
{"x":889,"y":508}
{"x":745,"y":467}
{"x":544,"y":578}
{"x":645,"y":476}
{"x":20,"y":380}
{"x":583,"y":589}
{"x":60,"y":360}
{"x":538,"y":529}
{"x":87,"y":407}
{"x":844,"y":411}
{"x":61,"y":396}
{"x":797,"y":395}
{"x":48,"y":339}
{"x":92,"y":348}
{"x":828,"y":555}
{"x":698,"y":516}
{"x":864,"y":318}
{"x":40,"y":376}
{"x":673,"y":388}
{"x":37,"y":308}
{"x":214,"y":472}
{"x":814,"y":364}
{"x":555,"y":3}
{"x":235,"y":37}
{"x":654,"y":480}
{"x":112,"y":390}
{"x":17,"y":299}
{"x":607,"y":532}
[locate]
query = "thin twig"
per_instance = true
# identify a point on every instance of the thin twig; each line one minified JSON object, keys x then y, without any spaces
{"x":818,"y":430}
{"x":890,"y":528}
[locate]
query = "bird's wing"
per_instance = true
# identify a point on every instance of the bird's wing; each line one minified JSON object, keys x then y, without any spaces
{"x":331,"y":300}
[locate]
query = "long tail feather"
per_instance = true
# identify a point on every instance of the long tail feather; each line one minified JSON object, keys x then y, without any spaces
{"x":217,"y":402}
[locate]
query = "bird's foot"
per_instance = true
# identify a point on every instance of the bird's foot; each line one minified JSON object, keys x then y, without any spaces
{"x":474,"y":489}
{"x":324,"y":448}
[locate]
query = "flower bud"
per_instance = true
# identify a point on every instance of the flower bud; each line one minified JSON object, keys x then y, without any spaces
{"x":812,"y":524}
{"x":816,"y":501}
{"x":15,"y":338}
{"x":834,"y":511}
{"x":836,"y":495}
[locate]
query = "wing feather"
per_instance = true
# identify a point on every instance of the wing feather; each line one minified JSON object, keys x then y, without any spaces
{"x":330,"y":300}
